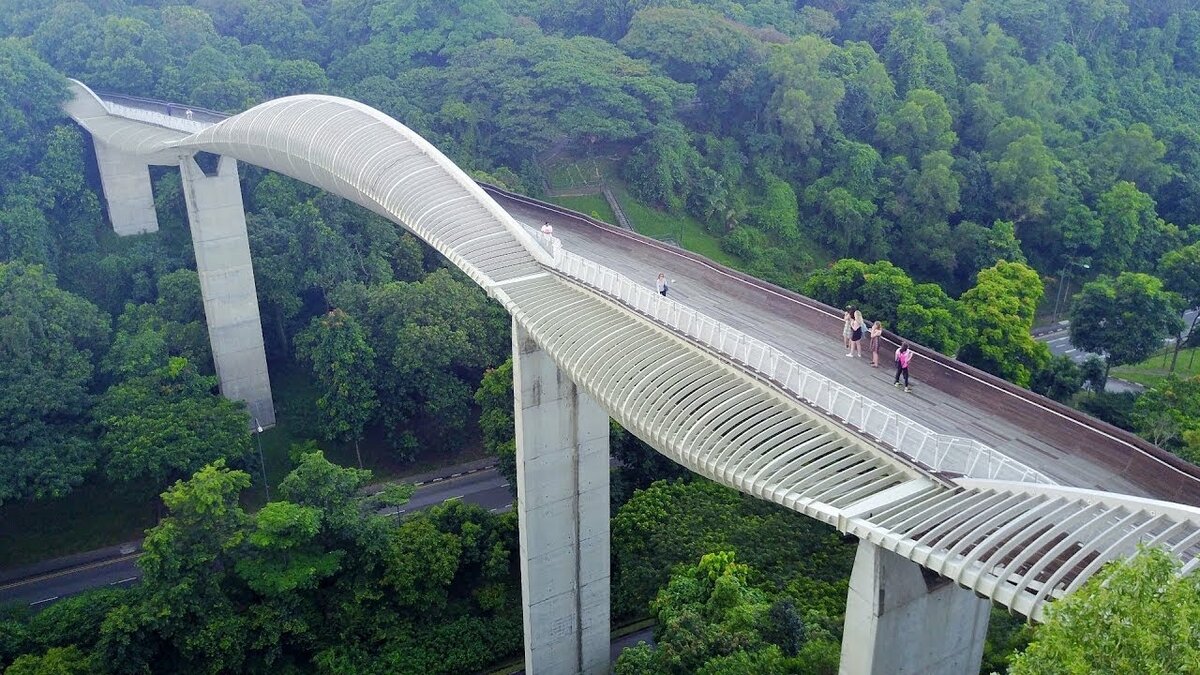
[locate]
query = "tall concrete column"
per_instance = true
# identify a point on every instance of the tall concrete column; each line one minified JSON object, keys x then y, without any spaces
{"x":126,"y":182}
{"x":562,"y":501}
{"x":904,"y":620}
{"x":218,"y":224}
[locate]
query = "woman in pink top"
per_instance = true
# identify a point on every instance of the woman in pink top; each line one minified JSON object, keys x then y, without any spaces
{"x":903,"y":357}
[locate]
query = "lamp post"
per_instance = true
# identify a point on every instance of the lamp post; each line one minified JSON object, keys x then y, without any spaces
{"x":1062,"y":277}
{"x":262,"y":465}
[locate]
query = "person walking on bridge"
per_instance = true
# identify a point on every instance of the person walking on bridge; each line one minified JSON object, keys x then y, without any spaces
{"x":661,"y":284}
{"x":876,"y":331}
{"x":903,"y":357}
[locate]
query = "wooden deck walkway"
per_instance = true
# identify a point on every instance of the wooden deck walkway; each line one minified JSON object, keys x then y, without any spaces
{"x":945,"y":398}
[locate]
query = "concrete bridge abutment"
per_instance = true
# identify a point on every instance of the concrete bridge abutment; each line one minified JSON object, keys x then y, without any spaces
{"x":127,"y":192}
{"x":218,"y":223}
{"x":562,"y":503}
{"x":903,"y":620}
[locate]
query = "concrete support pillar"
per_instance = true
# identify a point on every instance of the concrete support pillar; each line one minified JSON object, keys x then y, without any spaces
{"x":902,"y":620}
{"x":126,"y":182}
{"x":218,"y":224}
{"x":562,"y":502}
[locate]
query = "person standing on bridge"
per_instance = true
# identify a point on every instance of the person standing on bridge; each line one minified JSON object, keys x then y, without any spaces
{"x":548,"y":229}
{"x":847,"y":314}
{"x":856,"y":333}
{"x":876,"y":331}
{"x":903,"y":357}
{"x":188,"y":114}
{"x":661,"y":284}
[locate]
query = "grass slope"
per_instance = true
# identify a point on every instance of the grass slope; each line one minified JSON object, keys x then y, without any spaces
{"x":1152,"y":371}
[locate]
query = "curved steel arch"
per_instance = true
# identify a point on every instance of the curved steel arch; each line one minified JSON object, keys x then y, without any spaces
{"x":1016,"y":543}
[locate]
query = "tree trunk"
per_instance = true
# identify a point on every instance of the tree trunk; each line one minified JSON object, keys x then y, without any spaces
{"x":359,"y":454}
{"x":1179,"y":343}
{"x":283,"y":341}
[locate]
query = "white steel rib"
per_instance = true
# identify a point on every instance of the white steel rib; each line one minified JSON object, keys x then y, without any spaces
{"x":701,"y":393}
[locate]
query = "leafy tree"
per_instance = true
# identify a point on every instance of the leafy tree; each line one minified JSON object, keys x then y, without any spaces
{"x":183,"y":620}
{"x":168,"y":424}
{"x":1059,"y":379}
{"x":1168,"y":412}
{"x":713,"y":619}
{"x":779,"y":211}
{"x":1156,"y":606}
{"x":56,"y":661}
{"x":1025,"y":178}
{"x":430,"y":338}
{"x":1127,"y":214}
{"x":691,"y":44}
{"x":804,"y":103}
{"x":49,"y":340}
{"x":331,"y":489}
{"x":883,"y":292}
{"x":915,"y":57}
{"x":1180,"y":274}
{"x":496,"y":419}
{"x":661,"y":169}
{"x":1125,"y":319}
{"x":30,"y":95}
{"x":335,"y":347}
{"x":920,"y":126}
{"x":285,"y":555}
{"x":670,"y":523}
{"x":638,"y":464}
{"x":998,"y":314}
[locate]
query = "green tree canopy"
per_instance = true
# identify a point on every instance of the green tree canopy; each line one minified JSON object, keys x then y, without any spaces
{"x":49,"y":340}
{"x":335,"y":347}
{"x":1125,"y":318}
{"x":168,"y":424}
{"x":998,"y":313}
{"x":1157,"y":609}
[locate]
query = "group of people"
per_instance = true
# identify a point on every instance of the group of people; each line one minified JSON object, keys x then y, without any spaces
{"x":854,"y":329}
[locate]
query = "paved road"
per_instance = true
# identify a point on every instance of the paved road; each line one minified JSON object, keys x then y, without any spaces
{"x":486,"y":488}
{"x":619,"y":644}
{"x":1059,"y":341}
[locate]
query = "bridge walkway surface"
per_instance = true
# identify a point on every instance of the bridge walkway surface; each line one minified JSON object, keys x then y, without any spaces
{"x":1055,"y":446}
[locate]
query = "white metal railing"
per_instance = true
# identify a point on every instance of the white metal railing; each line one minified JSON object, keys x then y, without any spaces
{"x":179,"y":123}
{"x":905,"y":436}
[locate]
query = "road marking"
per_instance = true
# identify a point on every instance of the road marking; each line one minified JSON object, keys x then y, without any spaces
{"x":1065,"y":337}
{"x":449,"y":499}
{"x":43,"y":600}
{"x":505,"y":485}
{"x":114,"y":583}
{"x":1071,"y":351}
{"x":455,"y":475}
{"x":65,"y":572}
{"x":437,"y":480}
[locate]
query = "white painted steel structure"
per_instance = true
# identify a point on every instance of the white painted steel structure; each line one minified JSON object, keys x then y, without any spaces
{"x":724,"y":405}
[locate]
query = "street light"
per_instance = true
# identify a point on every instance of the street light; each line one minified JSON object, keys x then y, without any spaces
{"x":262,"y":465}
{"x":1062,"y":277}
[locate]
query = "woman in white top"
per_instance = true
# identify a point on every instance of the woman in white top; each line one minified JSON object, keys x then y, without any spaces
{"x":661,"y":284}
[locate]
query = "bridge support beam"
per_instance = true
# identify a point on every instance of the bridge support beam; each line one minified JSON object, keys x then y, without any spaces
{"x":902,"y":620}
{"x":562,"y":502}
{"x":127,"y":192}
{"x":218,"y":224}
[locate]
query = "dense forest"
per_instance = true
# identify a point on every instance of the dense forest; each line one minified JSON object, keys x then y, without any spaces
{"x":944,"y":165}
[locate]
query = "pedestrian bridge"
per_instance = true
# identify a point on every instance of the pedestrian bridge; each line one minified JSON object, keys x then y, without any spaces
{"x":734,"y":407}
